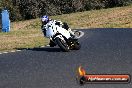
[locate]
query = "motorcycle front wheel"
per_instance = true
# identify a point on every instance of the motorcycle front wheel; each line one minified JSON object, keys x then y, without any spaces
{"x":62,"y":44}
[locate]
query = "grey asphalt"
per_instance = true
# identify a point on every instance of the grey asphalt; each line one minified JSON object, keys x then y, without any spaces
{"x":103,"y":51}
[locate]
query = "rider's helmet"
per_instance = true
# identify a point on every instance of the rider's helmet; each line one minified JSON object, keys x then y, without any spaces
{"x":45,"y":19}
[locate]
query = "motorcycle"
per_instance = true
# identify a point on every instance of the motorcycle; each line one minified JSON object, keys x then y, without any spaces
{"x":62,"y":37}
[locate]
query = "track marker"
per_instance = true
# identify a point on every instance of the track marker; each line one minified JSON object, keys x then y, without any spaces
{"x":5,"y":52}
{"x":12,"y":51}
{"x":18,"y":50}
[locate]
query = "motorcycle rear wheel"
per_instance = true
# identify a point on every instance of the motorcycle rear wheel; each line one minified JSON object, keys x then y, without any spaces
{"x":77,"y":46}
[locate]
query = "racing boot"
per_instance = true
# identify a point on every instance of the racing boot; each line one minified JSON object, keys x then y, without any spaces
{"x":52,"y":44}
{"x":71,"y":33}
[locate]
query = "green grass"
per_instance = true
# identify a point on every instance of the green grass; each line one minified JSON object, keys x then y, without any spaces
{"x":120,"y":17}
{"x":27,"y":34}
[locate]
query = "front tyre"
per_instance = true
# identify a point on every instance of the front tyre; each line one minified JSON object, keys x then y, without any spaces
{"x":62,"y":44}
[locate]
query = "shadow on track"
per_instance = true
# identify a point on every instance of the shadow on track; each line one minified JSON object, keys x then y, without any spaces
{"x":47,"y":49}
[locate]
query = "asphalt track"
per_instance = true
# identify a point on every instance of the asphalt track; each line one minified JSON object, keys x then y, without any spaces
{"x":104,"y":51}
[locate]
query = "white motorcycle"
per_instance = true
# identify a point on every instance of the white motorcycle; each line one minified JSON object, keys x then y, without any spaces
{"x":61,"y":37}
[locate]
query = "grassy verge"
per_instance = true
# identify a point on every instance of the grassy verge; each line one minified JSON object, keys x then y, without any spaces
{"x":27,"y":34}
{"x":120,"y":17}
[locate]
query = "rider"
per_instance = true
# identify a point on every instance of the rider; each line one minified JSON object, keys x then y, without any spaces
{"x":45,"y":19}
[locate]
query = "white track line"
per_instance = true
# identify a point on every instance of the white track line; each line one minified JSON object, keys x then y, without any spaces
{"x":18,"y":50}
{"x":5,"y":52}
{"x":42,"y":46}
{"x":12,"y":51}
{"x":47,"y":45}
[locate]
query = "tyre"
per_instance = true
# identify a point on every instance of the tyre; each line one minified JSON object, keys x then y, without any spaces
{"x":77,"y":46}
{"x":62,"y":44}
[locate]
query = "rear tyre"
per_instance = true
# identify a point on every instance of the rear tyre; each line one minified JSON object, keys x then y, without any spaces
{"x":62,"y":44}
{"x":77,"y":46}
